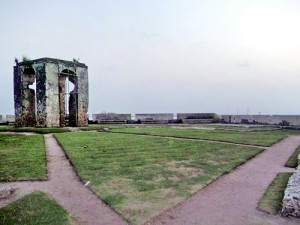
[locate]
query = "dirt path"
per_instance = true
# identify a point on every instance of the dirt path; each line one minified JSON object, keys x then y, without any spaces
{"x":65,"y":187}
{"x":233,"y":198}
{"x":190,"y":139}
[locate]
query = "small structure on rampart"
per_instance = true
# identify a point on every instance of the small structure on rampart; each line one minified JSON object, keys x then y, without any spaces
{"x":50,"y":92}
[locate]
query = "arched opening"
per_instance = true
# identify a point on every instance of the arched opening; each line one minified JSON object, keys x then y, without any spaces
{"x":30,"y":72}
{"x":29,"y":78}
{"x":68,"y":98}
{"x":33,"y":87}
{"x":69,"y":88}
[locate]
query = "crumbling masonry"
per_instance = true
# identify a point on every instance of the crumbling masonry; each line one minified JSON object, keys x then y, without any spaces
{"x":53,"y":103}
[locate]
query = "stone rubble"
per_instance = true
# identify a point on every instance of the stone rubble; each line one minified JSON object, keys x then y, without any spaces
{"x":291,"y":199}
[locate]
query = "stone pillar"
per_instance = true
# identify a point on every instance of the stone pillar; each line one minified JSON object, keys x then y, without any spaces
{"x":62,"y":88}
{"x":18,"y":96}
{"x":83,"y":96}
{"x":41,"y":95}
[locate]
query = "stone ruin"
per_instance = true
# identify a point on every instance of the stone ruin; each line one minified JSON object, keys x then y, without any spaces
{"x":291,"y":198}
{"x":42,"y":93}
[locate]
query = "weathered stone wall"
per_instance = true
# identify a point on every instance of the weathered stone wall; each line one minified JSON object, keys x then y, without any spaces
{"x":28,"y":101}
{"x":226,"y":118}
{"x":293,"y":120}
{"x":291,"y":199}
{"x":197,"y":121}
{"x":154,"y":116}
{"x":198,"y":116}
{"x":18,"y":95}
{"x":24,"y":96}
{"x":41,"y":114}
{"x":62,"y":89}
{"x":49,"y":110}
{"x":83,"y":95}
{"x":7,"y":119}
{"x":111,"y":117}
{"x":52,"y":96}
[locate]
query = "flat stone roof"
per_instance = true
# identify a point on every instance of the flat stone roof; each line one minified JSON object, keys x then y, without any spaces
{"x":52,"y":60}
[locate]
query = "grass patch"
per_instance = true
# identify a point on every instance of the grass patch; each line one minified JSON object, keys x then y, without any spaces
{"x":293,"y":160}
{"x":243,"y":127}
{"x":263,"y":138}
{"x":35,"y":208}
{"x":95,"y":127}
{"x":271,"y":202}
{"x":141,"y":176}
{"x":100,"y":127}
{"x":22,"y":157}
{"x":38,"y":130}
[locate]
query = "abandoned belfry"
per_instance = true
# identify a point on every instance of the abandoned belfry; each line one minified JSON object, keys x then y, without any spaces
{"x":50,"y":92}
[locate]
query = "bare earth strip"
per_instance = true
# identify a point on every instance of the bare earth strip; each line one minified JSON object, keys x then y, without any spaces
{"x":233,"y":198}
{"x":65,"y":187}
{"x":192,"y":139}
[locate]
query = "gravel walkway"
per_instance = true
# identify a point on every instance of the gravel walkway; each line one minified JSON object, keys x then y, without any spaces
{"x":233,"y":198}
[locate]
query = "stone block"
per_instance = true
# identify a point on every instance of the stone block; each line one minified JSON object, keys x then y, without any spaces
{"x":291,"y":199}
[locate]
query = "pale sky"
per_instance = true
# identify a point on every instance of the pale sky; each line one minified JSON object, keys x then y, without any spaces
{"x":222,"y":56}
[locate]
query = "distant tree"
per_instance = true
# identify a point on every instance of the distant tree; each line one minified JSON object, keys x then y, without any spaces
{"x":25,"y":58}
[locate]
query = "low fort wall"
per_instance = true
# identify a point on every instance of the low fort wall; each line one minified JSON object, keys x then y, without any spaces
{"x":7,"y":119}
{"x":10,"y":118}
{"x":198,"y":117}
{"x":106,"y":117}
{"x":190,"y":118}
{"x":293,"y":120}
{"x":148,"y":117}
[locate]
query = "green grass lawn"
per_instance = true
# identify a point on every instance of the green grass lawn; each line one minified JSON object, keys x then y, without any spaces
{"x":293,"y":160}
{"x":22,"y":157}
{"x":141,"y":176}
{"x":245,"y":128}
{"x":263,"y":138}
{"x":271,"y":202}
{"x":34,"y":209}
{"x":38,"y":130}
{"x":99,"y":127}
{"x":95,"y":127}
